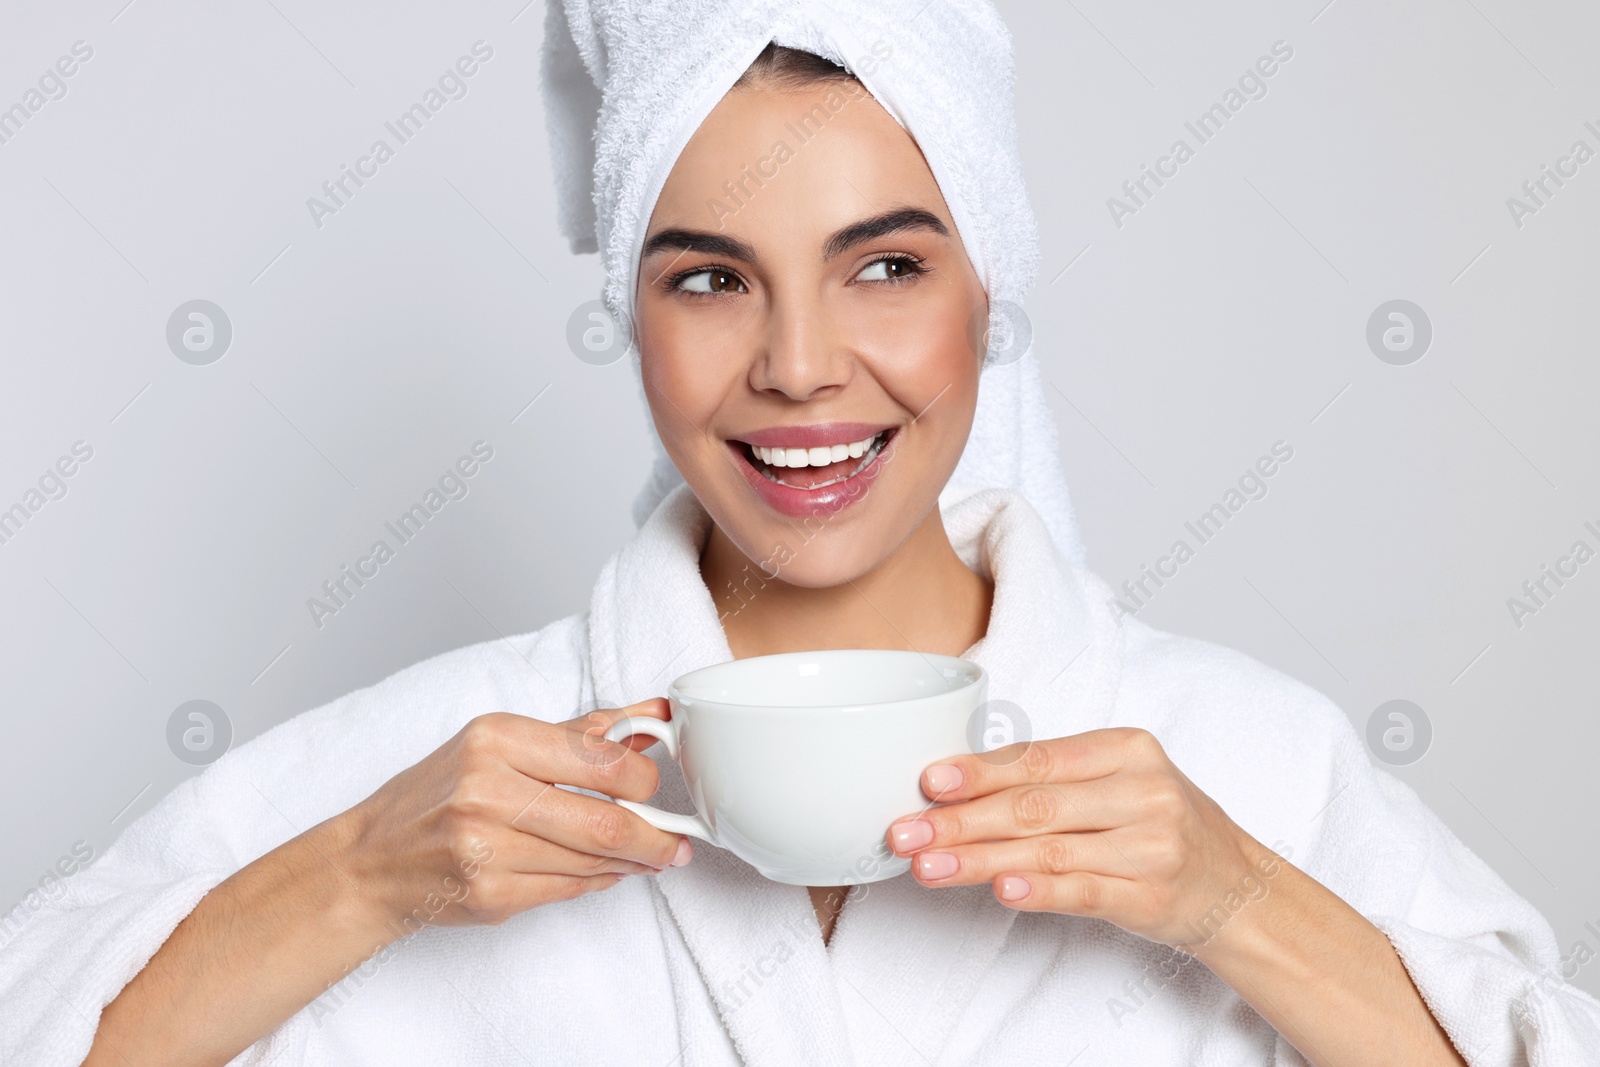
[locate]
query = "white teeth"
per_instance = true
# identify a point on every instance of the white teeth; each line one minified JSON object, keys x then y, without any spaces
{"x":820,"y":456}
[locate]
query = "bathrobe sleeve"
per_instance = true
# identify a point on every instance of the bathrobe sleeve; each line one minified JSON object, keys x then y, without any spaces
{"x":1289,"y":767}
{"x":1484,"y":959}
{"x":72,"y":955}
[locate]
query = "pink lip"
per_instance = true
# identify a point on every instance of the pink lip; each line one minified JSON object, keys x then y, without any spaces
{"x":813,"y":436}
{"x":829,"y":500}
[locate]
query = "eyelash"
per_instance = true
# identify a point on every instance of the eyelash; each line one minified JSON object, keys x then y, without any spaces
{"x":912,"y":262}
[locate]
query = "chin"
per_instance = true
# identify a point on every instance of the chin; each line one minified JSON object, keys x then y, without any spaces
{"x":832,"y":557}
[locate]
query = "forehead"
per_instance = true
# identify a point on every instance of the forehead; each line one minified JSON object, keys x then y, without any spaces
{"x":772,"y":161}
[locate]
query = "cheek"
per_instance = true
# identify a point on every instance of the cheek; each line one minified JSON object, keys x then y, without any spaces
{"x":935,"y":331}
{"x":943,"y":385}
{"x":954,"y":347}
{"x":682,"y":385}
{"x":672,"y":392}
{"x":930,"y":362}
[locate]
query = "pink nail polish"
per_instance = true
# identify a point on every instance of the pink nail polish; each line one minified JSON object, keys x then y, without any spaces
{"x":936,"y":865}
{"x":1014,"y":888}
{"x":944,"y":777}
{"x":683,"y":855}
{"x":911,"y":835}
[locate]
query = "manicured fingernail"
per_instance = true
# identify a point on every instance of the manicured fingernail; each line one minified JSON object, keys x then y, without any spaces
{"x":680,"y":857}
{"x":1014,"y":888}
{"x":912,"y":835}
{"x":935,"y":865}
{"x":945,"y":777}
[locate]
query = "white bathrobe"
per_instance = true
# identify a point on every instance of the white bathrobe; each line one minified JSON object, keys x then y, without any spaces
{"x":711,"y":964}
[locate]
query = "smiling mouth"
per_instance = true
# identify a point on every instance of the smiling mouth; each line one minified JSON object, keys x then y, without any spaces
{"x":815,"y":468}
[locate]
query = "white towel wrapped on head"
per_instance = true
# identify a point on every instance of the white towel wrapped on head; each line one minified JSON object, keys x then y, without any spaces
{"x":627,"y":82}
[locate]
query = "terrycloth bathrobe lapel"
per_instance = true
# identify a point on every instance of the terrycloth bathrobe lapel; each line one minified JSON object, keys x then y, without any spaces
{"x":904,"y":961}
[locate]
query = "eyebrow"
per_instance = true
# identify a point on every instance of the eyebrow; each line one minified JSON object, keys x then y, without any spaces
{"x":714,"y":244}
{"x":898,"y":220}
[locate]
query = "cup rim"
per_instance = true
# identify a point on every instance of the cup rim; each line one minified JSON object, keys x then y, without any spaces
{"x":979,"y":676}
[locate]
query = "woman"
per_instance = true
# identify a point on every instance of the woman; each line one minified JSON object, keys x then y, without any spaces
{"x":1118,"y":891}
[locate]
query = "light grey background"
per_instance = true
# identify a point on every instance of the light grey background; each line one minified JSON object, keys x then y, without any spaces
{"x":368,"y":354}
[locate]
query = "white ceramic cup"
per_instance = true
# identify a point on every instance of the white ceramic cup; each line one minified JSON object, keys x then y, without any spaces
{"x":797,"y":763}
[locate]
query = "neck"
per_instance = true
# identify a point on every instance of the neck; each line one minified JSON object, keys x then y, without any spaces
{"x":922,"y":598}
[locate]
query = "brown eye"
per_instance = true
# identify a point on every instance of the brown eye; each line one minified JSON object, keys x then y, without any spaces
{"x":711,"y":280}
{"x":888,"y":270}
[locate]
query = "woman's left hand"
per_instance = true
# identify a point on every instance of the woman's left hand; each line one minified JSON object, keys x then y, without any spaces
{"x":1099,"y":824}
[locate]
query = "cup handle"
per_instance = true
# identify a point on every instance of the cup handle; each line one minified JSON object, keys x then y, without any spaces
{"x":667,"y":734}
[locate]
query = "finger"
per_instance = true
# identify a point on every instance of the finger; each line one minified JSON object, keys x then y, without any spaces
{"x":1078,"y":758}
{"x":595,"y":826}
{"x":536,"y":889}
{"x":594,"y":724}
{"x":1050,"y":854}
{"x":557,"y":752}
{"x":495,"y":901}
{"x":1021,"y":811}
{"x":615,"y":768}
{"x":1096,"y":896}
{"x":527,"y":854}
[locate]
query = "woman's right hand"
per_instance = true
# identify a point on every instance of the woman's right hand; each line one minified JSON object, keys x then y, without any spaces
{"x":478,"y":831}
{"x":474,"y":833}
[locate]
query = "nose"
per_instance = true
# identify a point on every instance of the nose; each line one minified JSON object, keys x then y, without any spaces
{"x":799,"y":355}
